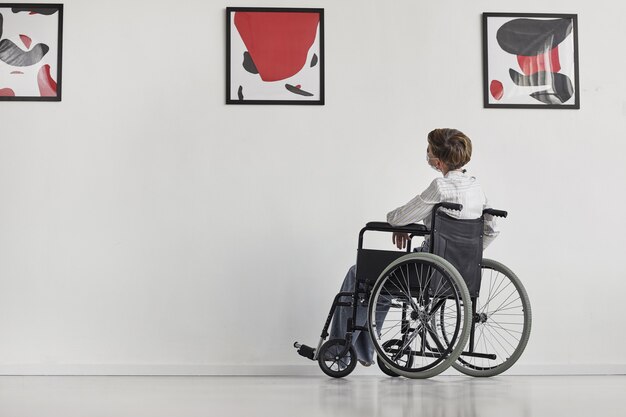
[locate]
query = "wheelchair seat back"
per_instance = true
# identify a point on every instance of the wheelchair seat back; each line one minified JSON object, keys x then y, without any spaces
{"x":460,"y":242}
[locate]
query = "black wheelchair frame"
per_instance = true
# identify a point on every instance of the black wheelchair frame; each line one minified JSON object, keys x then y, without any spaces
{"x":370,"y":265}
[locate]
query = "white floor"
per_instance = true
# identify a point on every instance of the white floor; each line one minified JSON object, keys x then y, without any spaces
{"x":363,"y":396}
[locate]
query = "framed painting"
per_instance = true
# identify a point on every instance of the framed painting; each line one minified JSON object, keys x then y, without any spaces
{"x":530,"y":60}
{"x":274,"y":55}
{"x":31,"y":41}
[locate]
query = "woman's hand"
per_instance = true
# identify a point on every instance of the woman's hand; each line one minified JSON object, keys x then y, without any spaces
{"x":400,"y":240}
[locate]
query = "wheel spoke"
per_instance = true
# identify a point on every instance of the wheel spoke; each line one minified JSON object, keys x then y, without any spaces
{"x":503,"y":312}
{"x":417,"y":311}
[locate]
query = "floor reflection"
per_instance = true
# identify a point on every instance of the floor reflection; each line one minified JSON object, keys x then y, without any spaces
{"x":449,"y":396}
{"x":362,"y":396}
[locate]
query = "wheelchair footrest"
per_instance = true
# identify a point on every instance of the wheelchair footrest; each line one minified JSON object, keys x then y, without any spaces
{"x":304,"y":350}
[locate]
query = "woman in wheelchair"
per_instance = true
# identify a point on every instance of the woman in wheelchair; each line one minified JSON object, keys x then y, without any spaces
{"x":421,"y":312}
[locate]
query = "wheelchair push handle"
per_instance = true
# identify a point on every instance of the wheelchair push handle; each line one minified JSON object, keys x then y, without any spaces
{"x":459,"y":207}
{"x":494,"y":212}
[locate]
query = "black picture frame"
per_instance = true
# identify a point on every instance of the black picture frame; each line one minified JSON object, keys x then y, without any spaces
{"x":48,"y":80}
{"x":266,"y":86}
{"x":539,"y":76}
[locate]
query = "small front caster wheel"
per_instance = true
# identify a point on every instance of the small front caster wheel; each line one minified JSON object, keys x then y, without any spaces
{"x":331,"y":361}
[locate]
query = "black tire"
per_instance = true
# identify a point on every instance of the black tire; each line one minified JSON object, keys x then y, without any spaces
{"x":386,"y":370}
{"x":505,"y":305}
{"x":400,"y":308}
{"x":331,"y":363}
{"x":502,"y":323}
{"x":404,"y":360}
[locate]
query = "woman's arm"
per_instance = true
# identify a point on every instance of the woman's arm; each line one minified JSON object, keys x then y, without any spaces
{"x":417,"y":209}
{"x":412,"y":212}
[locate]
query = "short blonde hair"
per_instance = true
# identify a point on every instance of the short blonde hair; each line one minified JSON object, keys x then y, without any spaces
{"x":450,"y":146}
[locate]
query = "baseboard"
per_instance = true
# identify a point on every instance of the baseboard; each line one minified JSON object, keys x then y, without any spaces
{"x":309,"y":369}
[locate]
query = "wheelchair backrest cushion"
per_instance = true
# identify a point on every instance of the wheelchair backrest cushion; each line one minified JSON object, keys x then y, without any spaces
{"x":460,"y":242}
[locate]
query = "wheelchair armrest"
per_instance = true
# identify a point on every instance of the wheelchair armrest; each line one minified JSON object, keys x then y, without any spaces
{"x":494,"y":212}
{"x":386,"y":227}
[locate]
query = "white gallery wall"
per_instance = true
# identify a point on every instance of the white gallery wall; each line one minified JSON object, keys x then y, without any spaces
{"x":148,"y":228}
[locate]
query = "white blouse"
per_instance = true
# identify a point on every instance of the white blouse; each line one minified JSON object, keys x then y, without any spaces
{"x":455,"y":187}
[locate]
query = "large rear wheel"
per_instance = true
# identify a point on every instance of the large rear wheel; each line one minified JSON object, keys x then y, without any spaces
{"x":501,"y":323}
{"x":407,"y":296}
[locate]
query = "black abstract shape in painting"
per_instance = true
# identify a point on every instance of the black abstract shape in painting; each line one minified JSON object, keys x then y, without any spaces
{"x":248,"y":63}
{"x":296,"y":90}
{"x":1,"y":19}
{"x":240,"y":93}
{"x":43,"y":10}
{"x":530,"y":37}
{"x":547,"y":97}
{"x":533,"y":80}
{"x":314,"y":60}
{"x":11,"y":54}
{"x":562,"y":88}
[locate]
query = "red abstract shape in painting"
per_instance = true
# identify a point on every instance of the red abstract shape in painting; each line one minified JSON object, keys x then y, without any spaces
{"x":7,"y":92}
{"x":27,"y":41}
{"x":47,"y":86}
{"x":533,"y":64}
{"x":278,"y":42}
{"x":496,"y":89}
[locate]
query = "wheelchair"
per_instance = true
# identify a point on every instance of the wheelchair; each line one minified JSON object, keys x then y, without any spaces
{"x":427,"y":311}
